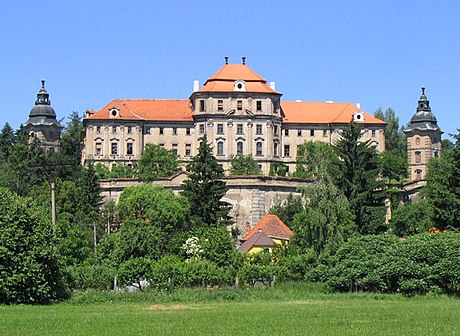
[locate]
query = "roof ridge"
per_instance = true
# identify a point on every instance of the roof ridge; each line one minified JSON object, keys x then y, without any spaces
{"x":126,"y":107}
{"x":344,"y":109}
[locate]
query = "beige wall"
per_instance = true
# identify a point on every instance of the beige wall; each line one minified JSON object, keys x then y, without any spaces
{"x":421,"y":147}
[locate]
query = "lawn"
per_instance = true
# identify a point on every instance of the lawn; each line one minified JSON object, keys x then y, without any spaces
{"x":310,"y":314}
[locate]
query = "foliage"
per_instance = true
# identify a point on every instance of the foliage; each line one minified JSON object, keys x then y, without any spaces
{"x":29,"y":268}
{"x":359,"y":176}
{"x":316,"y":159}
{"x":7,"y":140}
{"x":393,"y":165}
{"x":287,"y":209}
{"x":134,"y":271}
{"x":122,"y":171}
{"x":90,"y":194}
{"x":69,"y":155}
{"x":205,"y":188}
{"x":245,"y":165}
{"x":412,"y":218}
{"x":156,"y":162}
{"x":281,"y":169}
{"x":84,"y":277}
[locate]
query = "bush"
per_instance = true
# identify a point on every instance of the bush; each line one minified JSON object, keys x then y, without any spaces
{"x":134,"y":271}
{"x":98,"y":277}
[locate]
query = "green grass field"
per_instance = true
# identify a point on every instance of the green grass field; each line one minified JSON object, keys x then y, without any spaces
{"x":272,"y":312}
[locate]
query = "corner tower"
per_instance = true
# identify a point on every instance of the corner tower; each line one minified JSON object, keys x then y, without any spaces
{"x":423,"y":139}
{"x":42,"y":122}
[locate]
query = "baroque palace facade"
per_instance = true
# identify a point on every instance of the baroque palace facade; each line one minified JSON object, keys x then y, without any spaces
{"x":238,"y":111}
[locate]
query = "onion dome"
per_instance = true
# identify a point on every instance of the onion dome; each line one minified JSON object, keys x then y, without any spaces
{"x":42,"y":113}
{"x":423,"y":119}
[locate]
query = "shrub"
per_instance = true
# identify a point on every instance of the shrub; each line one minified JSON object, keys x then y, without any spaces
{"x":135,"y":270}
{"x":98,"y":277}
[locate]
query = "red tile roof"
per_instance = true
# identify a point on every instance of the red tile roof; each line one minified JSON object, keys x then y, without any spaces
{"x":224,"y":79}
{"x":323,"y":113}
{"x":272,"y":226}
{"x":146,"y":109}
{"x":258,"y":239}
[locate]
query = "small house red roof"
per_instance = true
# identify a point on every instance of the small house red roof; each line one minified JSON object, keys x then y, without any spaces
{"x":272,"y":226}
{"x":258,"y":239}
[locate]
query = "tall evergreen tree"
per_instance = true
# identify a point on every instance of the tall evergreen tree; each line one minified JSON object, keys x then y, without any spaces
{"x":7,"y":140}
{"x":205,"y":188}
{"x":359,"y":178}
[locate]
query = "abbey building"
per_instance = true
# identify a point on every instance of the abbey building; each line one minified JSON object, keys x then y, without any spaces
{"x":238,"y":111}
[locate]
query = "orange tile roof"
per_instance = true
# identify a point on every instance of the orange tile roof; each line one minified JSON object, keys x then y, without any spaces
{"x":272,"y":226}
{"x":223,"y":80}
{"x":323,"y":113}
{"x":146,"y":109}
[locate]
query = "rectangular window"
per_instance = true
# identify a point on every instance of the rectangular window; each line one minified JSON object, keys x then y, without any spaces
{"x":114,"y":148}
{"x":174,"y":130}
{"x":239,"y":148}
{"x":373,"y":133}
{"x":275,"y":130}
{"x":162,"y":145}
{"x":259,"y":149}
{"x":258,"y":129}
{"x":98,"y":129}
{"x":174,"y":149}
{"x":324,"y":133}
{"x":299,"y":132}
{"x":188,"y":149}
{"x":98,"y":148}
{"x":239,"y":105}
{"x":187,"y":131}
{"x":220,"y":105}
{"x":161,"y":130}
{"x":312,"y":133}
{"x":258,"y":105}
{"x":130,"y":129}
{"x":220,"y":148}
{"x":147,"y":130}
{"x":114,"y":129}
{"x":201,"y":128}
{"x":220,"y":128}
{"x":202,"y":106}
{"x":287,"y":151}
{"x":286,"y":132}
{"x":239,"y":128}
{"x":275,"y":149}
{"x":129,"y":148}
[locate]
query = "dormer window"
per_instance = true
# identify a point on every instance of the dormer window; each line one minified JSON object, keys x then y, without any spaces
{"x":239,"y":85}
{"x":114,"y":112}
{"x":358,"y":116}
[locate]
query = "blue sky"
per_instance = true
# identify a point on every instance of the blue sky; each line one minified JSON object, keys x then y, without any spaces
{"x":378,"y":53}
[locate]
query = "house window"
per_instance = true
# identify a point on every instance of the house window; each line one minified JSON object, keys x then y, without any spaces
{"x":259,"y":105}
{"x":275,"y":149}
{"x":220,"y":148}
{"x":312,"y":133}
{"x":324,"y":133}
{"x":114,"y":129}
{"x":275,"y":130}
{"x":98,"y":129}
{"x":187,"y":131}
{"x":130,"y":129}
{"x":98,"y":148}
{"x":239,"y":128}
{"x":258,"y":129}
{"x":188,"y":149}
{"x":239,"y":148}
{"x":129,"y":148}
{"x":161,"y":130}
{"x":202,"y":106}
{"x":220,"y":128}
{"x":174,"y":149}
{"x":201,"y":128}
{"x":220,"y":105}
{"x":373,"y":133}
{"x":286,"y":132}
{"x":299,"y":132}
{"x":114,"y":148}
{"x":287,"y":151}
{"x":259,"y":148}
{"x":174,"y":130}
{"x":147,"y":130}
{"x":418,"y":157}
{"x":239,"y":105}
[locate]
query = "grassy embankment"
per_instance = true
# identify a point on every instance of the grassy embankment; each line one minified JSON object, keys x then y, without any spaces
{"x":285,"y":310}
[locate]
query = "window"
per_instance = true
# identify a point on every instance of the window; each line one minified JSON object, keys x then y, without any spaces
{"x":174,"y":130}
{"x":287,"y":151}
{"x":286,"y":132}
{"x":220,"y":105}
{"x":299,"y":132}
{"x":418,"y":173}
{"x":161,"y":145}
{"x":417,"y":141}
{"x":98,"y":148}
{"x":275,"y":130}
{"x":147,"y":130}
{"x":312,"y":133}
{"x":220,"y":128}
{"x":239,"y":128}
{"x":259,"y":105}
{"x":239,"y":105}
{"x":188,"y":149}
{"x":174,"y":149}
{"x":201,"y":128}
{"x":418,"y":157}
{"x":187,"y":131}
{"x":373,"y":133}
{"x":220,"y":148}
{"x":275,"y":149}
{"x":114,"y":148}
{"x":129,"y":148}
{"x":259,"y":148}
{"x":130,"y":129}
{"x":98,"y":129}
{"x":114,"y":129}
{"x":202,"y":106}
{"x":161,"y":130}
{"x":258,"y":129}
{"x":324,"y":133}
{"x":239,"y":148}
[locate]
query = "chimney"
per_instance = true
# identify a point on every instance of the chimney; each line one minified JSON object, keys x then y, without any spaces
{"x":272,"y":86}
{"x":226,"y":59}
{"x":243,"y":59}
{"x":298,"y":101}
{"x":196,"y":85}
{"x":358,"y":105}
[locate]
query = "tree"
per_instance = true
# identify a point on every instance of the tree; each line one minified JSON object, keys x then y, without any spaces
{"x":205,"y":188}
{"x":359,"y":177}
{"x":245,"y":165}
{"x":315,"y":159}
{"x":69,"y":155}
{"x":157,"y":162}
{"x":7,"y":141}
{"x":30,"y":268}
{"x":90,"y":194}
{"x":287,"y":209}
{"x":412,"y":218}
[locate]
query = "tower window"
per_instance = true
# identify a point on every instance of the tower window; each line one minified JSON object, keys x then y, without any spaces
{"x":129,"y":148}
{"x":259,"y":105}
{"x":417,"y":141}
{"x":418,"y":157}
{"x":202,"y":106}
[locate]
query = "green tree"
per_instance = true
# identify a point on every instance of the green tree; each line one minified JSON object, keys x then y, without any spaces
{"x":205,"y":188}
{"x":287,"y":209}
{"x":315,"y":159}
{"x":157,"y":162}
{"x":121,"y":171}
{"x":90,"y":195}
{"x":30,"y":268}
{"x":7,"y":141}
{"x":245,"y":165}
{"x":359,"y":178}
{"x":68,"y":158}
{"x":412,"y":218}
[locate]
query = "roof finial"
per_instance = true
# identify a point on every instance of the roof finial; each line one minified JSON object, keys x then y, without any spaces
{"x":226,"y":59}
{"x":244,"y":59}
{"x":423,"y":90}
{"x":43,"y":83}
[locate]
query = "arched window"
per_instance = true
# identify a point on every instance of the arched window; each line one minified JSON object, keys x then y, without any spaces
{"x":220,"y":148}
{"x":239,"y":148}
{"x":418,"y":157}
{"x":417,"y":141}
{"x":259,"y":149}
